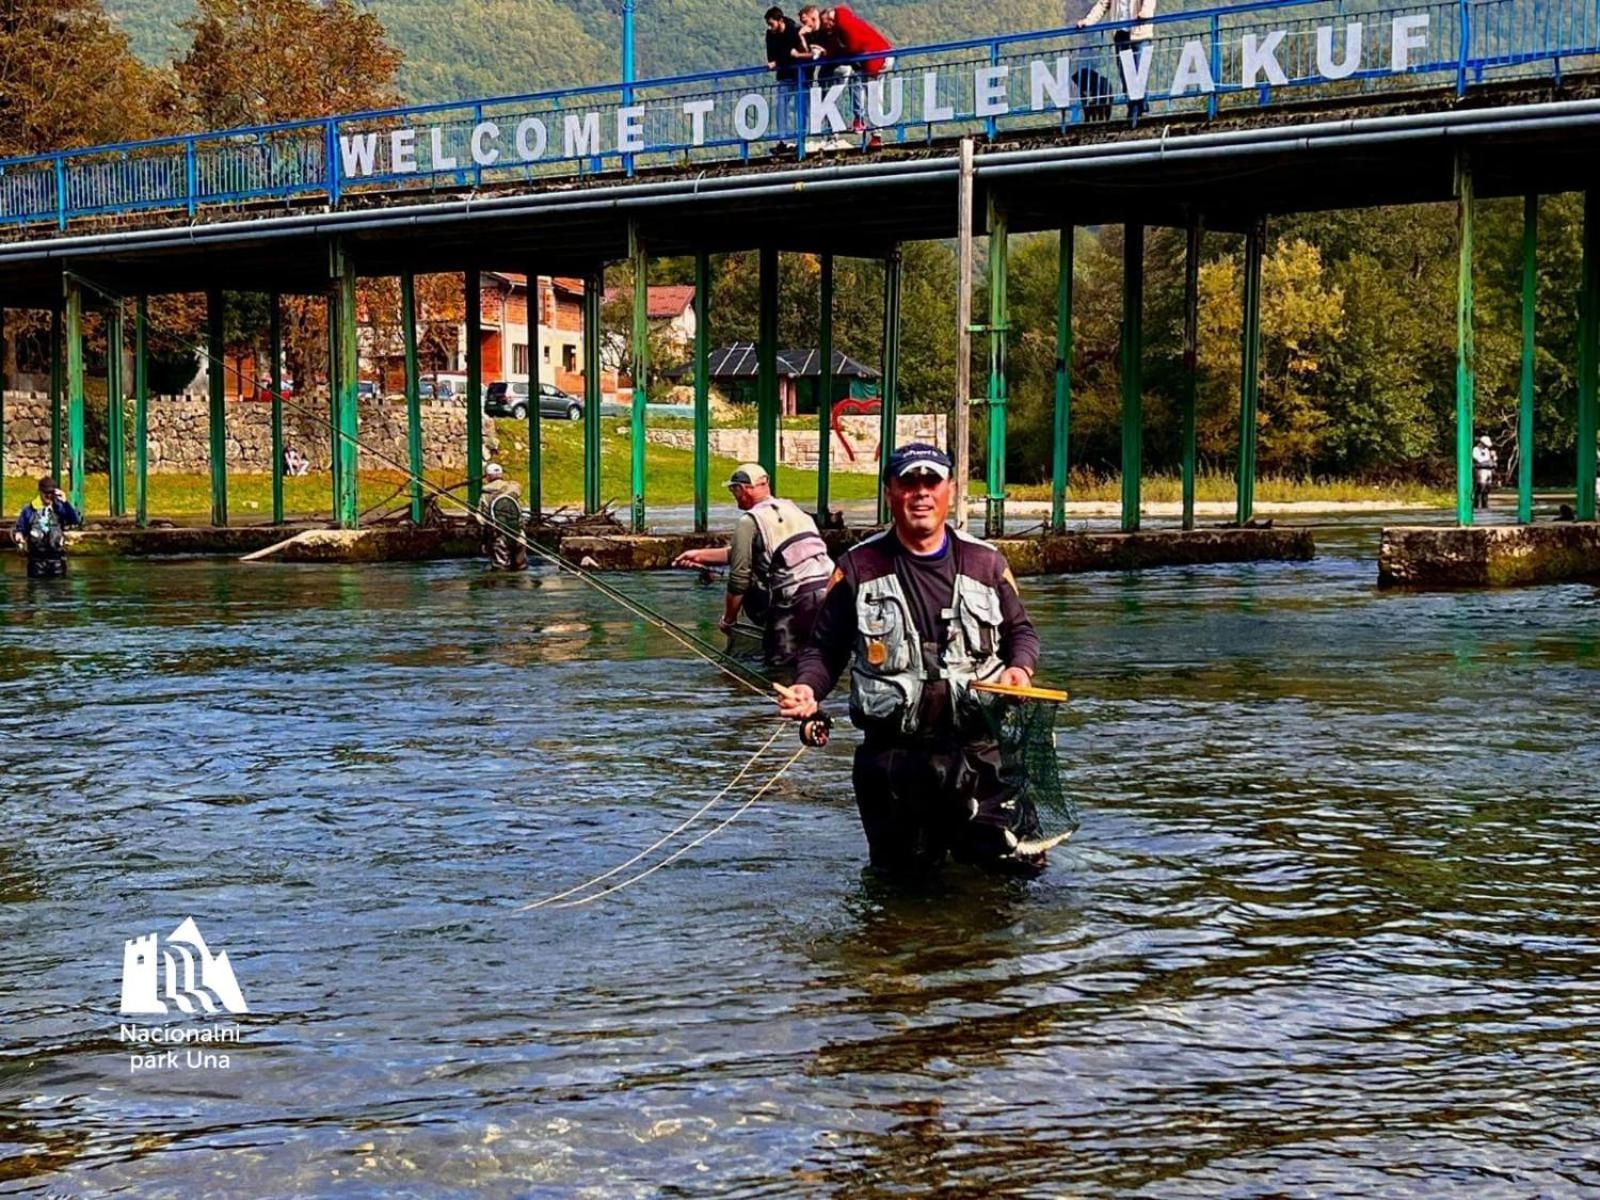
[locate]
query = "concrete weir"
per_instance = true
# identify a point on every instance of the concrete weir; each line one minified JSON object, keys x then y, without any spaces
{"x":1488,"y":555}
{"x":1053,"y":554}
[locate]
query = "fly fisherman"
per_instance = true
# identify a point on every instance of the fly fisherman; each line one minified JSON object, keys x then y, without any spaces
{"x":40,"y":529}
{"x":500,"y":506}
{"x":927,"y":612}
{"x":778,"y":568}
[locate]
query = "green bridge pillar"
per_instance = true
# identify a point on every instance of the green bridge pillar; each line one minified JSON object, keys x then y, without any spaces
{"x":1530,"y":294}
{"x":347,"y":509}
{"x":535,"y":417}
{"x":640,"y":255}
{"x":702,"y":391}
{"x":1132,"y":374}
{"x":1063,"y":398}
{"x":889,"y":405}
{"x":141,"y":411}
{"x":1466,"y":348}
{"x":217,"y":385}
{"x":767,"y":364}
{"x":474,"y":297}
{"x":332,"y":299}
{"x":275,"y":382}
{"x":57,"y":384}
{"x":593,"y":285}
{"x":1588,"y":355}
{"x":413,"y":389}
{"x":824,"y":389}
{"x":116,"y":441}
{"x":994,"y":520}
{"x":75,"y":389}
{"x":1191,"y":362}
{"x":1255,"y":249}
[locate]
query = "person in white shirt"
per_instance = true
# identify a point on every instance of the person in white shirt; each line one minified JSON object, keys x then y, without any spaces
{"x":1126,"y":38}
{"x":1484,"y":461}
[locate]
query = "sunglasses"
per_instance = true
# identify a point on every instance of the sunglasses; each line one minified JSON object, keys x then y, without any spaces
{"x":921,"y":479}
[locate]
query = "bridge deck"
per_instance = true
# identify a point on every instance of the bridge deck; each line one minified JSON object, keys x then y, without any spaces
{"x":1255,"y":108}
{"x":1230,"y":171}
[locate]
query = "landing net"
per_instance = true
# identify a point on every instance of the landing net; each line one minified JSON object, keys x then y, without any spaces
{"x":1023,"y":721}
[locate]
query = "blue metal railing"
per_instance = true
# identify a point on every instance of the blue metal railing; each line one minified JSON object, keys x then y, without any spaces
{"x":1208,"y":62}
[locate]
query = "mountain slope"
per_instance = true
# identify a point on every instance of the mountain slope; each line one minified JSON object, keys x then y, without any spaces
{"x":456,"y":50}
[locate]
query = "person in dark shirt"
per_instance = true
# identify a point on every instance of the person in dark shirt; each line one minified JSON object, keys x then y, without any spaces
{"x":40,"y":529}
{"x":926,"y":612}
{"x":786,"y":49}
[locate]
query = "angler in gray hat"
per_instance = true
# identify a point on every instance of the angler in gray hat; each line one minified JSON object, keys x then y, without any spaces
{"x":778,"y":566}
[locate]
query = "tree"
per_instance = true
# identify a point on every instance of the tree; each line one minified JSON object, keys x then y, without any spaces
{"x":68,"y":79}
{"x":258,"y":62}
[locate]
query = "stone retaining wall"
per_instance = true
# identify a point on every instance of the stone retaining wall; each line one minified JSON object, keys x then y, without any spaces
{"x":799,"y":447}
{"x":1431,"y":556}
{"x":180,"y":438}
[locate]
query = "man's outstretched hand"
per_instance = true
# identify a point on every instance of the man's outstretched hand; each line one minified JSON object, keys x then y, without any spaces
{"x":1015,"y":677}
{"x":797,"y":702}
{"x":690,"y":558}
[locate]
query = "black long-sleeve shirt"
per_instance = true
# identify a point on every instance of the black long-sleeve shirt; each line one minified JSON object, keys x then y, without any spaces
{"x":929,"y":583}
{"x":782,"y":45}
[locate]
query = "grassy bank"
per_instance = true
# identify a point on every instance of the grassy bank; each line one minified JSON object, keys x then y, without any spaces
{"x":1221,"y":487}
{"x":669,"y":479}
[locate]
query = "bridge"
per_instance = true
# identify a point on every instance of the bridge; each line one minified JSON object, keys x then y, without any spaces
{"x":1215,"y":122}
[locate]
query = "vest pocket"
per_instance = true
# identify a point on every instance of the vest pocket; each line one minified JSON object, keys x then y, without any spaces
{"x":978,"y":610}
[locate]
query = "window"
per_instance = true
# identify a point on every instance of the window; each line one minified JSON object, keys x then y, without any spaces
{"x":569,"y":358}
{"x":546,"y":352}
{"x":519,"y":358}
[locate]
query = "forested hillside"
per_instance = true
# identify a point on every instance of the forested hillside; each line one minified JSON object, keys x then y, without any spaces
{"x":492,"y":47}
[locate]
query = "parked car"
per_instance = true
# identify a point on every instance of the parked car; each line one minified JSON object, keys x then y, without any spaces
{"x":510,"y":399}
{"x":366,"y":389}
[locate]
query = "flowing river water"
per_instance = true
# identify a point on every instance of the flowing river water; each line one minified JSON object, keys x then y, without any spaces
{"x":1331,"y":926}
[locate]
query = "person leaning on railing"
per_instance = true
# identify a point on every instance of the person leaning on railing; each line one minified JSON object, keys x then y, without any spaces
{"x":786,"y":49}
{"x":837,"y":32}
{"x":1122,"y":11}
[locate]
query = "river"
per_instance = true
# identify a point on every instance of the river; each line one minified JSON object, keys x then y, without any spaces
{"x":1331,"y":926}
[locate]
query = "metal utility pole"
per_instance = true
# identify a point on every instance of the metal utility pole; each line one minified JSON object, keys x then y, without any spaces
{"x":963,"y":402}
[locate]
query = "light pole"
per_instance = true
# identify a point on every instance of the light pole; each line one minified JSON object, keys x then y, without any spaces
{"x":627,"y":41}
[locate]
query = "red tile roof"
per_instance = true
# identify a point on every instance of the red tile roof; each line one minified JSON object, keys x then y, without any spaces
{"x":664,"y":302}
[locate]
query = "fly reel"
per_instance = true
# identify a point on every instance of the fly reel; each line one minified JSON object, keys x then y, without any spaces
{"x":816,"y":729}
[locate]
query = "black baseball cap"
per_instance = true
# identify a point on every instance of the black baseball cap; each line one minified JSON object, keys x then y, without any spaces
{"x":917,"y":456}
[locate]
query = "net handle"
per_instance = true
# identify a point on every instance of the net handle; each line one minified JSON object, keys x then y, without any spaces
{"x":1022,"y":692}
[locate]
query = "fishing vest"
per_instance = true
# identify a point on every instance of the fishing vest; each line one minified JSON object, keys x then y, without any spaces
{"x":45,"y":534}
{"x":889,"y":674}
{"x":794,"y":558}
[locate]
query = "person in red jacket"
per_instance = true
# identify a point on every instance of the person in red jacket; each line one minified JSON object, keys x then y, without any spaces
{"x":847,"y":36}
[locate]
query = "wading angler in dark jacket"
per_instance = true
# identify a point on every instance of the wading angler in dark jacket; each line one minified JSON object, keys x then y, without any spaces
{"x":40,"y":531}
{"x":920,"y":614}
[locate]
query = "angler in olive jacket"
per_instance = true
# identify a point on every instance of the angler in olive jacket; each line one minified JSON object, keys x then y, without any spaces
{"x":926,"y":612}
{"x":778,"y":566}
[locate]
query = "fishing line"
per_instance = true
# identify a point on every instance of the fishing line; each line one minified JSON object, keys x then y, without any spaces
{"x":664,"y":838}
{"x":688,"y":846}
{"x":724,"y":662}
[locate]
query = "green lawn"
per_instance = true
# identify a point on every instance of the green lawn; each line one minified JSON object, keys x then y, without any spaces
{"x":669,"y":479}
{"x":1222,"y":487}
